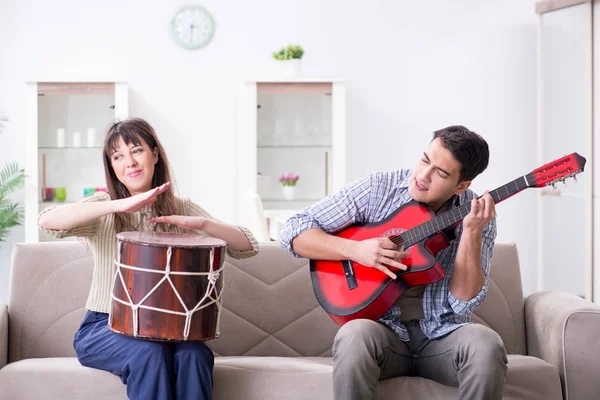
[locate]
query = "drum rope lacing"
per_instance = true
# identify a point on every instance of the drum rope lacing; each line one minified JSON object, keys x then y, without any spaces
{"x":212,"y":276}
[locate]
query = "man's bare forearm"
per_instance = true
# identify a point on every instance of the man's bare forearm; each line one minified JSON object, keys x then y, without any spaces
{"x":467,"y":276}
{"x":319,"y":245}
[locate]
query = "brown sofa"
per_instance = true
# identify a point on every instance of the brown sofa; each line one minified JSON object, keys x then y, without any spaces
{"x":275,"y":340}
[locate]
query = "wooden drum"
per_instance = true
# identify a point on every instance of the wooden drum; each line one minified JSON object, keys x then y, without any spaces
{"x":167,"y":286}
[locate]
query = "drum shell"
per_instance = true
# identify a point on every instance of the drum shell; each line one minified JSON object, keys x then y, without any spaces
{"x":157,"y":325}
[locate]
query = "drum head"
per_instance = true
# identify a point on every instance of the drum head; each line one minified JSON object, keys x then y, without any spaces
{"x":170,"y":239}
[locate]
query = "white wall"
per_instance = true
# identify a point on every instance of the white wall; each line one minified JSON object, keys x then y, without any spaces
{"x":411,"y":67}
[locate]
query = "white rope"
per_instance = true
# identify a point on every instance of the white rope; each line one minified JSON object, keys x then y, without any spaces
{"x":212,"y":277}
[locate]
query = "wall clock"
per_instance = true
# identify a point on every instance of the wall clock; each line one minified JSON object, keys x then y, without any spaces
{"x":192,"y":27}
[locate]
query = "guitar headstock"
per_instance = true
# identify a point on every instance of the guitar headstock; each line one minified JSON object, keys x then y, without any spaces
{"x":556,"y":171}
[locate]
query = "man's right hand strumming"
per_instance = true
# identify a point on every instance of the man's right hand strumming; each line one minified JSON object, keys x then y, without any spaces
{"x":379,"y":253}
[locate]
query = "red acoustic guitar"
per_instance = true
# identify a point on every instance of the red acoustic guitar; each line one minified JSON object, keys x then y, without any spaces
{"x":348,"y":290}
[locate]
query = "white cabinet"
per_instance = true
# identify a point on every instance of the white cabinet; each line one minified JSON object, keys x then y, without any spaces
{"x":65,"y":127}
{"x":567,"y":84}
{"x":297,"y":127}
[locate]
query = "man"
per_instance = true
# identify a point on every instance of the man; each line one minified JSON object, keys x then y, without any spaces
{"x":427,"y":332}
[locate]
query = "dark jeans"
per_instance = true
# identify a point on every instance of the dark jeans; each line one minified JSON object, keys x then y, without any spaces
{"x":151,"y":370}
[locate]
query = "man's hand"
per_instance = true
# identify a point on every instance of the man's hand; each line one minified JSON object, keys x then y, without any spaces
{"x":379,"y":253}
{"x":483,"y":210}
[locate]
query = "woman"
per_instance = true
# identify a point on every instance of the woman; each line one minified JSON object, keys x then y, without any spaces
{"x":139,"y":198}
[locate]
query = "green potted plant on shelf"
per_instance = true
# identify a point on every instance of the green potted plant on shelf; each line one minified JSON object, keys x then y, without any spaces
{"x":291,"y":59}
{"x":11,"y":179}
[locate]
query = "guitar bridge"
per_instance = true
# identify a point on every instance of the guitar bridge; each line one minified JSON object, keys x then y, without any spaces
{"x":349,"y":273}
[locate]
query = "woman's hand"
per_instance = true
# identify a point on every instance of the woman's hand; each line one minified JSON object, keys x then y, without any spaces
{"x":182,"y":221}
{"x":139,"y":201}
{"x":232,"y":235}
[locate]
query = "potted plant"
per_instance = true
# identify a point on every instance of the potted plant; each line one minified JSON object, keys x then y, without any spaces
{"x":291,"y":58}
{"x":289,"y":183}
{"x":11,"y":179}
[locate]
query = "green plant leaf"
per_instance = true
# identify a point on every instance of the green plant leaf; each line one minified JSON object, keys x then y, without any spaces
{"x":10,"y":216}
{"x":289,"y":52}
{"x":11,"y":179}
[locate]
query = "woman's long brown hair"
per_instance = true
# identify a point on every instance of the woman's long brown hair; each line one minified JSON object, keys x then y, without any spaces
{"x":136,"y":131}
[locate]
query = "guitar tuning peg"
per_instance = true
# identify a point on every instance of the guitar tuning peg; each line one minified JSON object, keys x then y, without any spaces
{"x":575,"y":178}
{"x":554,"y":186}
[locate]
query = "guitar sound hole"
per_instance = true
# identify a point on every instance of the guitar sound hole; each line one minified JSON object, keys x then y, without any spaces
{"x":391,"y":233}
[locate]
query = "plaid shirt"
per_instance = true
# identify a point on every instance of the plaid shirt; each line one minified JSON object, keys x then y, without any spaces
{"x":372,"y":199}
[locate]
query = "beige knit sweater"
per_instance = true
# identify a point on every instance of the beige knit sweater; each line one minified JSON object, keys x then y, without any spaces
{"x":100,"y":236}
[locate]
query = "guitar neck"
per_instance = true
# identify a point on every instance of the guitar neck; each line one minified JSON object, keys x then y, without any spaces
{"x":451,"y":217}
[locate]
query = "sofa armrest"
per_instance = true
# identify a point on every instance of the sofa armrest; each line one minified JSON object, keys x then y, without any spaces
{"x":3,"y":335}
{"x":563,"y":330}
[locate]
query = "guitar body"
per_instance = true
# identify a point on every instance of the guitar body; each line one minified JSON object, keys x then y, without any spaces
{"x":375,"y":291}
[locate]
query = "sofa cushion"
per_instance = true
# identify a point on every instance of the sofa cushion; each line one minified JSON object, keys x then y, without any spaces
{"x":531,"y":378}
{"x":503,"y":309}
{"x":270,"y":307}
{"x":272,"y":378}
{"x":310,"y":378}
{"x":49,"y":284}
{"x":527,"y":378}
{"x":58,"y":378}
{"x":258,"y":378}
{"x":268,"y":314}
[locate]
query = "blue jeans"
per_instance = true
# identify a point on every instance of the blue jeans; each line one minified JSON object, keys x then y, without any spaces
{"x":151,"y":370}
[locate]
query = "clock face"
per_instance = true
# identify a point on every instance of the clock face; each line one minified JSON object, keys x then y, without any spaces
{"x":192,"y":27}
